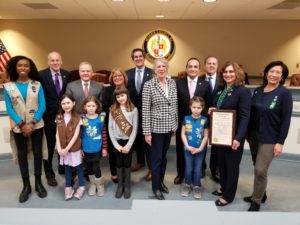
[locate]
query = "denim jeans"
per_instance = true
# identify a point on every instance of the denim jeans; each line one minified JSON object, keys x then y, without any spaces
{"x":68,"y":175}
{"x":193,"y":167}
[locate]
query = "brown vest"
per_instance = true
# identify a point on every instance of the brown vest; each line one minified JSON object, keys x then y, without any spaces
{"x":66,"y":132}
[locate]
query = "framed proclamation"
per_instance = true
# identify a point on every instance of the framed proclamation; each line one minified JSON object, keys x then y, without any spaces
{"x":222,"y":127}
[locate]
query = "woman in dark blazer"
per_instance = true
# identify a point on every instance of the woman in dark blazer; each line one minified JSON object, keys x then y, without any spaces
{"x":232,"y":95}
{"x":271,"y":110}
{"x":159,"y":107}
{"x":117,"y":78}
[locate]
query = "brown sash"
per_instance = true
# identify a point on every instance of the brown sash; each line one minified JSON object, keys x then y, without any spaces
{"x":122,"y":122}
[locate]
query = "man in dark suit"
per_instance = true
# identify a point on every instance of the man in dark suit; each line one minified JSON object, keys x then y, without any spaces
{"x":84,"y":87}
{"x":188,"y":87}
{"x":54,"y":81}
{"x":211,"y":68}
{"x":137,"y":77}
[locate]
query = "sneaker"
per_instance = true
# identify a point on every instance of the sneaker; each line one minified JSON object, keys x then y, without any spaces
{"x":79,"y":193}
{"x":185,"y":190}
{"x":197,"y":192}
{"x":69,"y":191}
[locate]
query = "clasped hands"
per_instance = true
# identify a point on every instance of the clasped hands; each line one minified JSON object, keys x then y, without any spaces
{"x":123,"y":150}
{"x":27,"y":129}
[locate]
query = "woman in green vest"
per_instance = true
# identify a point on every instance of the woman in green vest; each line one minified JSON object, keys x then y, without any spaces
{"x":25,"y":104}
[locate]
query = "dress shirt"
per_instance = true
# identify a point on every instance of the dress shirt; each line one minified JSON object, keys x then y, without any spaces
{"x":213,"y":79}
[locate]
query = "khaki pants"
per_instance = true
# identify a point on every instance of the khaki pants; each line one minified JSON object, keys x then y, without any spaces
{"x":263,"y":160}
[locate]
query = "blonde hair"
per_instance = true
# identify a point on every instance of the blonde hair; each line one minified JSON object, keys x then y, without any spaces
{"x":116,"y":71}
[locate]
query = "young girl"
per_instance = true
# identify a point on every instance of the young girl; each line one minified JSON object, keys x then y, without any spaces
{"x":93,"y":141}
{"x":123,"y":124}
{"x":194,"y":135}
{"x":69,"y":144}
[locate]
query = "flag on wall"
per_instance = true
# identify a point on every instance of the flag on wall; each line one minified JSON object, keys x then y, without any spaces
{"x":4,"y":57}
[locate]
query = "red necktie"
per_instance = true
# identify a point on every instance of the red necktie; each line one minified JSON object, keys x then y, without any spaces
{"x":86,"y":89}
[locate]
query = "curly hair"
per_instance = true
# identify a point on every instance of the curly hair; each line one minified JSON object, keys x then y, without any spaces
{"x":12,"y":68}
{"x":239,"y":73}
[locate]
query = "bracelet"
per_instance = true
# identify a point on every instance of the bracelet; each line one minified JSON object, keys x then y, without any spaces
{"x":21,"y":124}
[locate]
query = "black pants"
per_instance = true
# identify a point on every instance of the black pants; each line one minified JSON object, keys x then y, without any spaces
{"x":123,"y":160}
{"x":22,"y":148}
{"x":92,"y":161}
{"x":50,"y":133}
{"x":111,"y":155}
{"x":141,"y":147}
{"x":213,"y":162}
{"x":180,"y":161}
{"x":158,"y":157}
{"x":229,"y":163}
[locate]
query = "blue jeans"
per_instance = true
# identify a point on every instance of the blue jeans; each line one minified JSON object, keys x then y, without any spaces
{"x":193,"y":167}
{"x":68,"y":175}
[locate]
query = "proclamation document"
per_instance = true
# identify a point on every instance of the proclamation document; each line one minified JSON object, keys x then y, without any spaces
{"x":222,"y":127}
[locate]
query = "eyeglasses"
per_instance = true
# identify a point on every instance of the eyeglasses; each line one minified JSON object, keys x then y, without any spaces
{"x":117,"y":75}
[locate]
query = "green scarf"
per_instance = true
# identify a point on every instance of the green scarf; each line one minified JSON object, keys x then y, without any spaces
{"x":223,"y":95}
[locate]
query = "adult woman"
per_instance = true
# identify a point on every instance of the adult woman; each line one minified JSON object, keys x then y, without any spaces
{"x":271,"y":110}
{"x":117,"y":78}
{"x":159,"y":107}
{"x":25,"y":104}
{"x":234,"y":96}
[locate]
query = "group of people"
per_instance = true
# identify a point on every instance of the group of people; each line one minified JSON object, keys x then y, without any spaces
{"x":141,"y":110}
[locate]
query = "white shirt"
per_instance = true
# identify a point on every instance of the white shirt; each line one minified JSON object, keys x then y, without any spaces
{"x":83,"y":86}
{"x":213,"y":79}
{"x":136,"y":75}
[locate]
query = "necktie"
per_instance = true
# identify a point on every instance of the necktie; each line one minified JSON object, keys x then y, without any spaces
{"x":210,"y":84}
{"x":138,"y":81}
{"x":192,"y":88}
{"x":86,"y":89}
{"x":57,"y":84}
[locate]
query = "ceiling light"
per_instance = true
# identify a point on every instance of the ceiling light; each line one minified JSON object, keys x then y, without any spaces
{"x":162,"y":0}
{"x":208,"y":1}
{"x":160,"y":16}
{"x":118,"y":0}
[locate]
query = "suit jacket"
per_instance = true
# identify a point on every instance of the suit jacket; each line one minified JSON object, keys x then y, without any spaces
{"x":240,"y":100}
{"x":75,"y":89}
{"x":51,"y":97}
{"x":135,"y":97}
{"x":159,"y":111}
{"x":202,"y":90}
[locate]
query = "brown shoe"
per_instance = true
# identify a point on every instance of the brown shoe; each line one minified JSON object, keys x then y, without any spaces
{"x":137,"y":166}
{"x":149,"y":176}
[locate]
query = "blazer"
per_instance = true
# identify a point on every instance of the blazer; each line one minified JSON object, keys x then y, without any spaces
{"x":51,"y":97}
{"x":159,"y":111}
{"x":75,"y":89}
{"x":202,"y":90}
{"x":240,"y":100}
{"x":135,"y":97}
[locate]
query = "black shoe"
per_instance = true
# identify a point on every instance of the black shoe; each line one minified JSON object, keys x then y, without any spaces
{"x":249,"y":198}
{"x":217,"y":193}
{"x":23,"y":197}
{"x":51,"y":181}
{"x":164,"y":188}
{"x":158,"y":195}
{"x":39,"y":188}
{"x":178,"y":179}
{"x":254,"y":207}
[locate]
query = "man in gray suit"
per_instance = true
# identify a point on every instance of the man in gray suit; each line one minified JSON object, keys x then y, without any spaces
{"x":84,"y":87}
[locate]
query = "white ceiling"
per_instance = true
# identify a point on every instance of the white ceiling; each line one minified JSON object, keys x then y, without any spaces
{"x":148,"y":9}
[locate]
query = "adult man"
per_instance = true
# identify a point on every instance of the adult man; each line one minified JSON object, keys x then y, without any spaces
{"x":188,"y":87}
{"x":211,"y":67}
{"x":84,"y":87}
{"x":137,"y":77}
{"x":54,"y":81}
